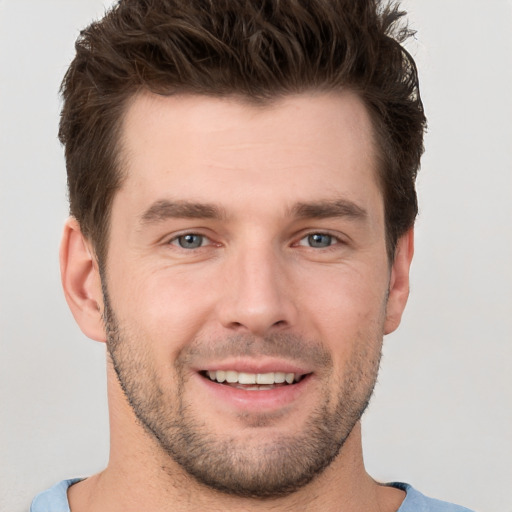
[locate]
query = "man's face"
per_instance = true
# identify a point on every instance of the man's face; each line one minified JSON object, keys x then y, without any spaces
{"x":246,"y":283}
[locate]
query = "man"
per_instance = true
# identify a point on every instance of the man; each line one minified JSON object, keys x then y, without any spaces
{"x":241,"y":180}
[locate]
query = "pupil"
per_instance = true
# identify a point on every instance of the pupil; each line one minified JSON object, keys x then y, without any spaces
{"x":319,"y":240}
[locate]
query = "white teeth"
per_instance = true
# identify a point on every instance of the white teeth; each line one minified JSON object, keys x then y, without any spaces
{"x":231,"y":377}
{"x":265,"y":378}
{"x":246,"y":378}
{"x":279,"y":377}
{"x":270,"y":378}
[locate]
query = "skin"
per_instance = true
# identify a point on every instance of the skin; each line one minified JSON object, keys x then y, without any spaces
{"x":268,"y":172}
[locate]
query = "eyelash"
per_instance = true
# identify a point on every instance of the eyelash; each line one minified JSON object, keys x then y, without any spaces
{"x":333,"y":239}
{"x":175,"y":240}
{"x":205,"y":240}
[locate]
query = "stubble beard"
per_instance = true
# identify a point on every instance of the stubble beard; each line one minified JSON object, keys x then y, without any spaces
{"x":265,"y":467}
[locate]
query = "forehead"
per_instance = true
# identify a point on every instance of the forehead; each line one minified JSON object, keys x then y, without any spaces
{"x":229,"y":150}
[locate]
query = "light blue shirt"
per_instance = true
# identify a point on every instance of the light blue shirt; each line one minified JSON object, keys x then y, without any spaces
{"x":56,"y":500}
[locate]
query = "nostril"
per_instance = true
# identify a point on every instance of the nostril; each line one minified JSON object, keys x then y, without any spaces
{"x":257,"y":329}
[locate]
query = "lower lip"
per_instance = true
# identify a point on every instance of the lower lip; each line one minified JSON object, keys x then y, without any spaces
{"x":251,"y":400}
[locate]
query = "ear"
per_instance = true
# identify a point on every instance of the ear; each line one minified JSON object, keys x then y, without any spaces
{"x":81,"y":281}
{"x":399,"y":282}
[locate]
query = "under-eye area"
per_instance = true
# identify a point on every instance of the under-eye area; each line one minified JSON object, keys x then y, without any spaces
{"x":253,"y":381}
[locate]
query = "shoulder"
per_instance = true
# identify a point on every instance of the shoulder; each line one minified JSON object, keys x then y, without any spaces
{"x":54,"y":499}
{"x":417,"y":502}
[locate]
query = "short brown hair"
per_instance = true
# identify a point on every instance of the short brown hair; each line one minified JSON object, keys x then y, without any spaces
{"x":257,"y":49}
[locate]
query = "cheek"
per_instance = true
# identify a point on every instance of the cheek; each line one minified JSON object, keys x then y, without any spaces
{"x":164,"y":308}
{"x":349,"y":311}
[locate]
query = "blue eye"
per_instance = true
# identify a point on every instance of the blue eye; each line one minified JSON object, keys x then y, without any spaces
{"x":189,"y":241}
{"x":318,"y":240}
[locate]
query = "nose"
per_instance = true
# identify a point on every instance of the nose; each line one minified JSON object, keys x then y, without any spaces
{"x":257,"y":297}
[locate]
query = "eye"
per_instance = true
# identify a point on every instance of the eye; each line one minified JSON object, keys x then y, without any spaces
{"x":318,"y":240}
{"x":190,"y":241}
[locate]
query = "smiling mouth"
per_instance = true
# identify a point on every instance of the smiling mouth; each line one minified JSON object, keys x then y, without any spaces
{"x":253,"y":381}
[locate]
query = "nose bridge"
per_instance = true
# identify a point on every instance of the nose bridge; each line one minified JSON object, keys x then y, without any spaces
{"x":257,"y":297}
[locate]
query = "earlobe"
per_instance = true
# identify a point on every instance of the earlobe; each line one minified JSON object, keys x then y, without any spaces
{"x":81,"y":281}
{"x":399,"y":282}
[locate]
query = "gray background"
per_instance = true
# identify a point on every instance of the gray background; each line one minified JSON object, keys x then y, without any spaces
{"x":441,"y":417}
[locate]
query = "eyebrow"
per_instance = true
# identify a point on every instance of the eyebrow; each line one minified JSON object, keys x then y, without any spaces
{"x":165,"y":209}
{"x":328,"y":209}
